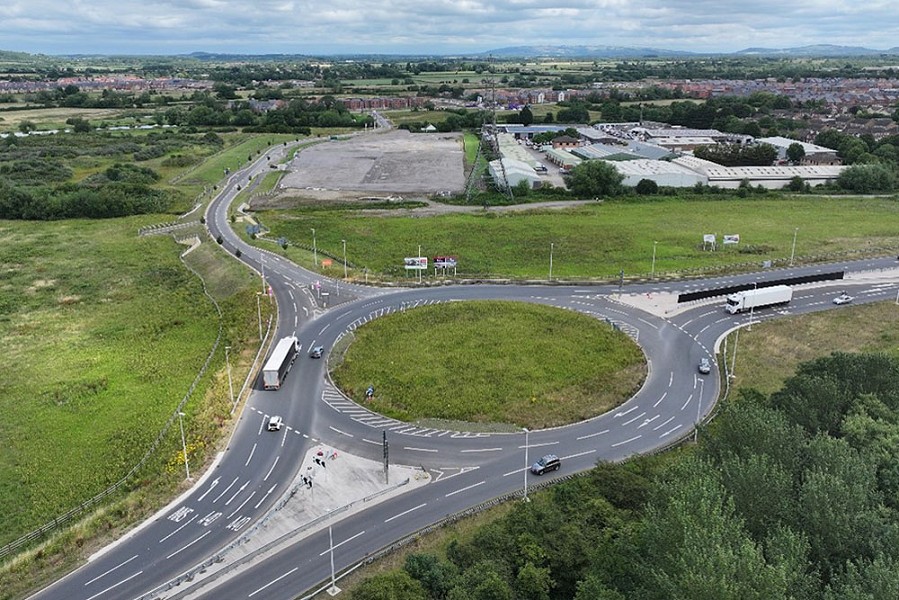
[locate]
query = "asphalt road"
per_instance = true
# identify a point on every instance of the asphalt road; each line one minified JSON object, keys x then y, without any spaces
{"x":258,"y":466}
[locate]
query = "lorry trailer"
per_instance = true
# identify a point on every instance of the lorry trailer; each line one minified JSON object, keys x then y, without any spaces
{"x":278,"y":364}
{"x":758,"y":298}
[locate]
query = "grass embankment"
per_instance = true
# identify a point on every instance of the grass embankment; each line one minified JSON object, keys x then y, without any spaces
{"x":598,"y":240}
{"x":491,"y":362}
{"x":770,"y":353}
{"x":103,"y":333}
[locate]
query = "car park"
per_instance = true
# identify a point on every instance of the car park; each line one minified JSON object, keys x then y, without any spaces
{"x":316,"y":352}
{"x":275,"y":423}
{"x":550,"y":462}
{"x":705,"y":367}
{"x":843,"y":298}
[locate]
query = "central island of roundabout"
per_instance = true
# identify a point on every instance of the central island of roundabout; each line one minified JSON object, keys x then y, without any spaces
{"x":488,"y":365}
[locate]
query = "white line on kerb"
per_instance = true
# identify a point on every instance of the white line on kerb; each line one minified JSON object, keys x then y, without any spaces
{"x":465,"y":489}
{"x":405,"y":513}
{"x":272,"y":582}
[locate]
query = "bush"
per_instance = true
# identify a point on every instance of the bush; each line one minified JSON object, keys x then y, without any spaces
{"x":647,"y":187}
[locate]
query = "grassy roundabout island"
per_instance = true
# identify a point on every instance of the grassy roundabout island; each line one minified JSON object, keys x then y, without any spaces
{"x":493,"y":362}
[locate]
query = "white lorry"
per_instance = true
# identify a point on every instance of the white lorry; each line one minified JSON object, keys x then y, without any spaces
{"x":278,"y":364}
{"x":757,"y":298}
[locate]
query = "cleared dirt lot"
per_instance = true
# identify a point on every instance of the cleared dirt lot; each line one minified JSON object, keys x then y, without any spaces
{"x":378,"y":164}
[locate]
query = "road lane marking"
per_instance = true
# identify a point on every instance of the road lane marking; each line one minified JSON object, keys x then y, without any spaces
{"x":250,"y":457}
{"x":371,"y":442}
{"x":584,"y":437}
{"x":225,"y":491}
{"x":403,"y":513}
{"x":578,"y":454}
{"x":659,"y":401}
{"x":648,"y":421}
{"x":242,"y":504}
{"x":660,"y":425}
{"x":271,"y":489}
{"x":420,"y":449}
{"x":188,"y":545}
{"x":340,"y":432}
{"x":179,"y":529}
{"x":539,"y":445}
{"x":272,"y":582}
{"x":481,"y":450}
{"x":242,"y":488}
{"x":628,"y":422}
{"x":267,"y":475}
{"x":214,"y":483}
{"x":672,"y":430}
{"x":111,"y":570}
{"x":465,"y":489}
{"x":115,"y":585}
{"x":687,"y":402}
{"x":335,"y":546}
{"x":626,"y":441}
{"x":621,"y":414}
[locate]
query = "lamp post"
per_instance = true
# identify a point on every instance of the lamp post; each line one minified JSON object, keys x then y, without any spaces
{"x":551,"y":245}
{"x":333,"y":590}
{"x":526,"y":465}
{"x":419,"y":264}
{"x":698,"y":410}
{"x":230,"y":384}
{"x":314,"y":248}
{"x":733,"y":364}
{"x":259,"y":315}
{"x":344,"y":258}
{"x":183,"y":443}
{"x":793,"y":251}
{"x":755,"y":286}
{"x":262,"y":260}
{"x":652,"y":273}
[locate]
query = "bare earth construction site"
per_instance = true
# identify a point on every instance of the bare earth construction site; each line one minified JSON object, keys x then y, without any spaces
{"x":394,"y":163}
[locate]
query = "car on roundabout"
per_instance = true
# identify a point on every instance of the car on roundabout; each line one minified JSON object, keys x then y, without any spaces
{"x":843,"y":298}
{"x":705,"y":367}
{"x":275,"y":423}
{"x":550,"y":462}
{"x":317,"y":352}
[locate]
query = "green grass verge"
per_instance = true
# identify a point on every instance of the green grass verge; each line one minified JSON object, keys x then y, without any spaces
{"x":488,"y":361}
{"x":597,"y":240}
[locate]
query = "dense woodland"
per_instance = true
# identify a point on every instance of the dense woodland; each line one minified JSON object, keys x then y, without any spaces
{"x":790,"y":496}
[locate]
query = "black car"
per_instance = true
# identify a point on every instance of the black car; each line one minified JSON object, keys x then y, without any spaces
{"x":316,"y":352}
{"x":550,"y":462}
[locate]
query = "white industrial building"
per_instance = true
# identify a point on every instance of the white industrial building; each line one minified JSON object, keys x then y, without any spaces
{"x":664,"y":173}
{"x":772,"y":178}
{"x":814,"y":154}
{"x":508,"y":172}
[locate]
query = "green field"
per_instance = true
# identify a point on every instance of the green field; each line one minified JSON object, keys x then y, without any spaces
{"x":597,"y":240}
{"x":491,"y":362}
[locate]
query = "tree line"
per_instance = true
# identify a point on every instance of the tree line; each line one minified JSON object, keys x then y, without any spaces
{"x":788,"y":496}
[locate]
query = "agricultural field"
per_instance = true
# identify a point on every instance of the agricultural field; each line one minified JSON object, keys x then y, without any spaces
{"x":597,"y":240}
{"x":502,"y":363}
{"x":55,"y":118}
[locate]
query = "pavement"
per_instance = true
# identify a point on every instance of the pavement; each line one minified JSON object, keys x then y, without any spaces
{"x":341,"y":485}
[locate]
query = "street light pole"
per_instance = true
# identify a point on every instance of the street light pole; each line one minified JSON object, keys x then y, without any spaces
{"x":793,"y":251}
{"x":259,"y":315}
{"x":262,"y":260}
{"x":344,"y":258}
{"x":755,"y":287}
{"x":733,"y":364}
{"x":652,"y":273}
{"x":230,"y":384}
{"x":183,"y":443}
{"x":698,"y":410}
{"x":526,"y":465}
{"x":551,"y":245}
{"x":419,"y":264}
{"x":314,"y":248}
{"x":333,"y":590}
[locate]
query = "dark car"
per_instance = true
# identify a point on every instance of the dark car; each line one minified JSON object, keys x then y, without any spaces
{"x":550,"y":462}
{"x":316,"y":352}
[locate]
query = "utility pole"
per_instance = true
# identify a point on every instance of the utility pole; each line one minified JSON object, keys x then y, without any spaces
{"x":551,"y":244}
{"x":183,"y":443}
{"x":386,"y":458}
{"x":526,"y":465}
{"x":344,"y":258}
{"x":230,"y":385}
{"x":793,"y":251}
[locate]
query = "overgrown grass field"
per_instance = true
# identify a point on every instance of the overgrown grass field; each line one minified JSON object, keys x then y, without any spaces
{"x":599,"y":239}
{"x":491,"y":362}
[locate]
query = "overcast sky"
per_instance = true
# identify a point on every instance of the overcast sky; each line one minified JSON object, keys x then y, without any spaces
{"x":436,"y":26}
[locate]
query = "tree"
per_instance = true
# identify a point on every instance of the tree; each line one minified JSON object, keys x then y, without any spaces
{"x":533,"y":583}
{"x":795,"y":152}
{"x":525,"y":116}
{"x":594,"y":179}
{"x":394,"y":585}
{"x":647,"y":187}
{"x":868,"y":179}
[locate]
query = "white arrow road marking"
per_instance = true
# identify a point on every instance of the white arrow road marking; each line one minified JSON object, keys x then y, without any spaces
{"x":215,"y":482}
{"x":272,"y":489}
{"x":621,"y":414}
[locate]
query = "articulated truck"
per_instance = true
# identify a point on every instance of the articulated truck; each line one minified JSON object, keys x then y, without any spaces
{"x":278,"y":364}
{"x":757,"y":298}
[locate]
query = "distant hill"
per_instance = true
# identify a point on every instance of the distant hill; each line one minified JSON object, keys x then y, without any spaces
{"x":817,"y":50}
{"x":584,"y":52}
